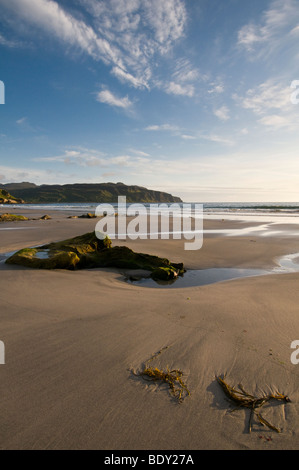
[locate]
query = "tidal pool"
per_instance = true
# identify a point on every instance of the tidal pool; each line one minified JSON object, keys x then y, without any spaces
{"x":201,"y":277}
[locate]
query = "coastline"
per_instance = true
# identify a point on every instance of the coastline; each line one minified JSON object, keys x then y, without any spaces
{"x":73,"y":338}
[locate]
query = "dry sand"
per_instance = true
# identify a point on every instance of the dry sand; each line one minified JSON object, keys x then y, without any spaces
{"x":72,"y":339}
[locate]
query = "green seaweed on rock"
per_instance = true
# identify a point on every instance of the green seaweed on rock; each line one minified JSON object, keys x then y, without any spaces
{"x":12,"y":218}
{"x":87,"y":251}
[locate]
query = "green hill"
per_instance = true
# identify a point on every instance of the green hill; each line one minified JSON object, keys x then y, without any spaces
{"x":99,"y":193}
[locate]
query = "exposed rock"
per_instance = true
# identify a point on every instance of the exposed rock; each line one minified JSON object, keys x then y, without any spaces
{"x":11,"y":201}
{"x":29,"y":257}
{"x":164,"y":273}
{"x":45,"y":217}
{"x":89,"y":215}
{"x":87,"y":251}
{"x":6,"y":198}
{"x":12,"y":218}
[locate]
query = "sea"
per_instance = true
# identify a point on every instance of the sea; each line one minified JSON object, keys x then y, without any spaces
{"x":231,"y":209}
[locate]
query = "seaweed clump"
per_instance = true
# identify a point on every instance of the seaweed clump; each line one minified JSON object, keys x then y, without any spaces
{"x":173,"y":378}
{"x":243,"y":399}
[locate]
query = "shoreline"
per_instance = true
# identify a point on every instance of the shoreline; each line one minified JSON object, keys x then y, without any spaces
{"x":72,"y":339}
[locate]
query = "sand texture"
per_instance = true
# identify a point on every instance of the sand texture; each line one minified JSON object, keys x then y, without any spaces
{"x":73,"y":339}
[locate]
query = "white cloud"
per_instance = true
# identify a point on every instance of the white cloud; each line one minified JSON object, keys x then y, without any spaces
{"x":24,"y":124}
{"x":125,"y":34}
{"x":9,"y":42}
{"x":275,"y":121}
{"x":11,"y":174}
{"x":216,"y":89}
{"x":184,"y":71}
{"x":249,"y":35}
{"x":85,"y":157}
{"x":49,"y":16}
{"x":270,"y":101}
{"x":140,"y":153}
{"x":218,"y":139}
{"x":21,"y":120}
{"x":167,"y":20}
{"x":222,"y":113}
{"x":274,"y":29}
{"x":183,"y":79}
{"x":77,"y":156}
{"x":268,"y":95}
{"x":125,"y":77}
{"x":162,"y":127}
{"x":295,"y":30}
{"x":188,"y":137}
{"x":107,"y":97}
{"x":244,"y":131}
{"x":178,"y":89}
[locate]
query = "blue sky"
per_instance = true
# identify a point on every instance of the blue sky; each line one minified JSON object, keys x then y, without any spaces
{"x":192,"y":97}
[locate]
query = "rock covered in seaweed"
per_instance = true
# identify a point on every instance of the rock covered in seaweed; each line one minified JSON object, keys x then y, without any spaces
{"x":67,"y":254}
{"x":44,"y":259}
{"x":12,"y":218}
{"x":88,"y":251}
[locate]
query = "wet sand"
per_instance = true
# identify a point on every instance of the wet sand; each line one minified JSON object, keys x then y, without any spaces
{"x":72,"y":339}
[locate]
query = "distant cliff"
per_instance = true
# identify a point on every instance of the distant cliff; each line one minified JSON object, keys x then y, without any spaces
{"x":101,"y":192}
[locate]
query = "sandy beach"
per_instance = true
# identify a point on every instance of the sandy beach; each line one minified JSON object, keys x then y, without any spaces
{"x":73,"y":338}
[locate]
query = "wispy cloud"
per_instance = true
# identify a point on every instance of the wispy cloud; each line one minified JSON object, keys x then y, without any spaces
{"x":270,"y":102}
{"x":21,"y":121}
{"x":86,"y":157}
{"x":183,"y":79}
{"x":277,"y":23}
{"x":125,"y":77}
{"x":107,"y":97}
{"x":12,"y":174}
{"x":188,"y":137}
{"x":216,"y":89}
{"x":49,"y":16}
{"x":276,"y":122}
{"x":267,"y":96}
{"x":184,"y":71}
{"x":218,"y":139}
{"x":173,"y":88}
{"x":12,"y":43}
{"x":162,"y":127}
{"x":222,"y":113}
{"x":24,"y":124}
{"x":139,"y":152}
{"x":77,"y":156}
{"x":124,"y":34}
